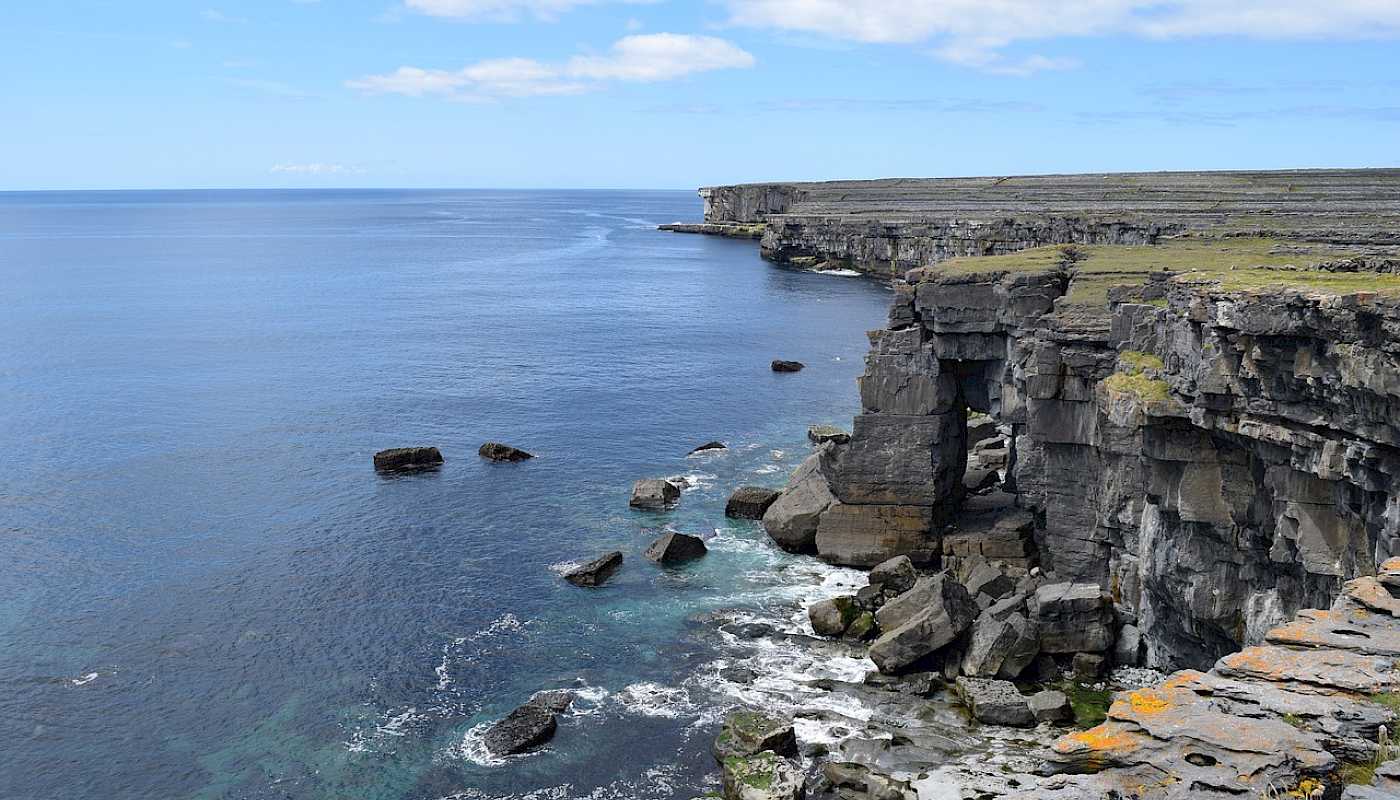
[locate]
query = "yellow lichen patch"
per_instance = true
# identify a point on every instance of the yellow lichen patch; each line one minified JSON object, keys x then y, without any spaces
{"x":1148,"y":701}
{"x":1100,"y":738}
{"x":1182,"y":679}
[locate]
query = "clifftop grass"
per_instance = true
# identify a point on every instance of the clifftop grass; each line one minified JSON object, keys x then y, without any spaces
{"x":1237,"y":264}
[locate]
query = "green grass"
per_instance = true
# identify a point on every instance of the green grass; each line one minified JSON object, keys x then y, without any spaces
{"x":1237,"y":264}
{"x":1135,"y":362}
{"x":1090,"y":705}
{"x":1140,"y":386}
{"x":1390,"y":700}
{"x":1357,"y":772}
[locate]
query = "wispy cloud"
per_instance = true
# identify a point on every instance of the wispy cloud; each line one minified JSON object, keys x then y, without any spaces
{"x":975,"y":33}
{"x":314,"y":168}
{"x":1232,"y":117}
{"x":215,"y":15}
{"x":639,"y":58}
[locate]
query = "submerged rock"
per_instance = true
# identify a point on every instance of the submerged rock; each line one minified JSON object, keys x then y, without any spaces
{"x":787,"y":366}
{"x":595,"y":572}
{"x":407,"y":459}
{"x":750,"y":502}
{"x":675,"y":548}
{"x":654,"y":494}
{"x":708,"y":446}
{"x":528,"y":726}
{"x":495,"y":451}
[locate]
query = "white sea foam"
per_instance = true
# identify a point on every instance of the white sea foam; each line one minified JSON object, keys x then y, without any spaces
{"x":393,"y":726}
{"x":844,"y":273}
{"x":655,"y":700}
{"x":473,"y":747}
{"x":767,"y":469}
{"x":84,"y":680}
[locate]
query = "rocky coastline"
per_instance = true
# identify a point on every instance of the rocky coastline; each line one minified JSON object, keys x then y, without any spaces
{"x":1135,"y":432}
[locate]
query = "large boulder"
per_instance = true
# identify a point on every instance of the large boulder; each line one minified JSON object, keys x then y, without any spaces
{"x":1050,"y":705}
{"x":495,"y":451}
{"x":866,"y":535}
{"x":791,"y":521}
{"x":920,"y":622}
{"x":654,"y":494}
{"x":896,"y":575}
{"x":991,"y":644}
{"x":994,"y":702}
{"x":779,"y":365}
{"x":747,"y":733}
{"x":1073,"y":618}
{"x":674,"y":548}
{"x":595,"y":572}
{"x":528,"y":726}
{"x":832,"y":617}
{"x":750,"y":502}
{"x":406,"y":459}
{"x":859,"y":781}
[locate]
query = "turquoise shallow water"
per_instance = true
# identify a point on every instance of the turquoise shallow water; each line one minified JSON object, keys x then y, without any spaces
{"x":208,"y":593}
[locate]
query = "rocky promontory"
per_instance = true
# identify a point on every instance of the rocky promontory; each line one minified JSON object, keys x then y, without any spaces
{"x":1123,"y":420}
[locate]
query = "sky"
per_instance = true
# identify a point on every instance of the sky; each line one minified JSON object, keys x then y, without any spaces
{"x":674,"y":94}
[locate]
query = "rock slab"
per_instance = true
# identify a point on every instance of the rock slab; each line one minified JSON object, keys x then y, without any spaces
{"x":407,"y":459}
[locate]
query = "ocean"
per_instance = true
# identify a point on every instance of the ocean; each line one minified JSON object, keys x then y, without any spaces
{"x":207,"y":592}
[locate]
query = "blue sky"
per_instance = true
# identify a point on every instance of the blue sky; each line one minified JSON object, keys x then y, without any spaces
{"x":679,"y":93}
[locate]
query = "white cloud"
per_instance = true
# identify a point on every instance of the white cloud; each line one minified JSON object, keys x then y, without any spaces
{"x":638,"y":58}
{"x":314,"y":168}
{"x":496,"y":9}
{"x":215,"y":15}
{"x":974,"y":32}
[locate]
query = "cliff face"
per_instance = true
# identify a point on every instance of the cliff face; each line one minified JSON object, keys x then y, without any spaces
{"x":1215,"y":459}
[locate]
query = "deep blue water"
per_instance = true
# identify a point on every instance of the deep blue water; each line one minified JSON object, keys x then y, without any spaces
{"x":205,"y":590}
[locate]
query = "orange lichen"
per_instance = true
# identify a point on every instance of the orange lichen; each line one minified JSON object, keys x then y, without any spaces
{"x":1148,"y":701}
{"x":1099,"y":738}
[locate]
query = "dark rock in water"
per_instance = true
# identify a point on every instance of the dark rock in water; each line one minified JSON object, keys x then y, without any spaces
{"x":495,"y":451}
{"x":820,"y":434}
{"x":707,"y":446}
{"x":787,"y":366}
{"x":405,"y":459}
{"x":750,"y":502}
{"x":1051,"y":706}
{"x":994,"y":702}
{"x":654,"y":494}
{"x":746,"y":733}
{"x":674,"y":548}
{"x":751,"y":630}
{"x":595,"y":572}
{"x":738,"y":674}
{"x":528,"y":726}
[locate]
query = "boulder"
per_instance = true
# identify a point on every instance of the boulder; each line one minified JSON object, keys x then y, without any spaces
{"x":859,"y":781}
{"x":406,"y":459}
{"x":528,"y":726}
{"x":707,"y":446}
{"x":820,"y":434}
{"x":1073,"y":618}
{"x":746,"y":733}
{"x":991,"y":643}
{"x":791,"y":520}
{"x":1051,"y":706}
{"x":780,"y":365}
{"x":495,"y":451}
{"x":862,"y":627}
{"x":750,"y":502}
{"x":985,"y":578}
{"x":595,"y":572}
{"x":920,"y":622}
{"x":764,"y":776}
{"x":897,"y":575}
{"x":674,"y":548}
{"x":1127,"y":650}
{"x":866,"y":535}
{"x":830,"y":618}
{"x":994,"y":702}
{"x":654,"y":494}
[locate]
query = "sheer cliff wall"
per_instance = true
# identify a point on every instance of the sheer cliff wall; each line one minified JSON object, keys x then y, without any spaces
{"x":1201,"y":397}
